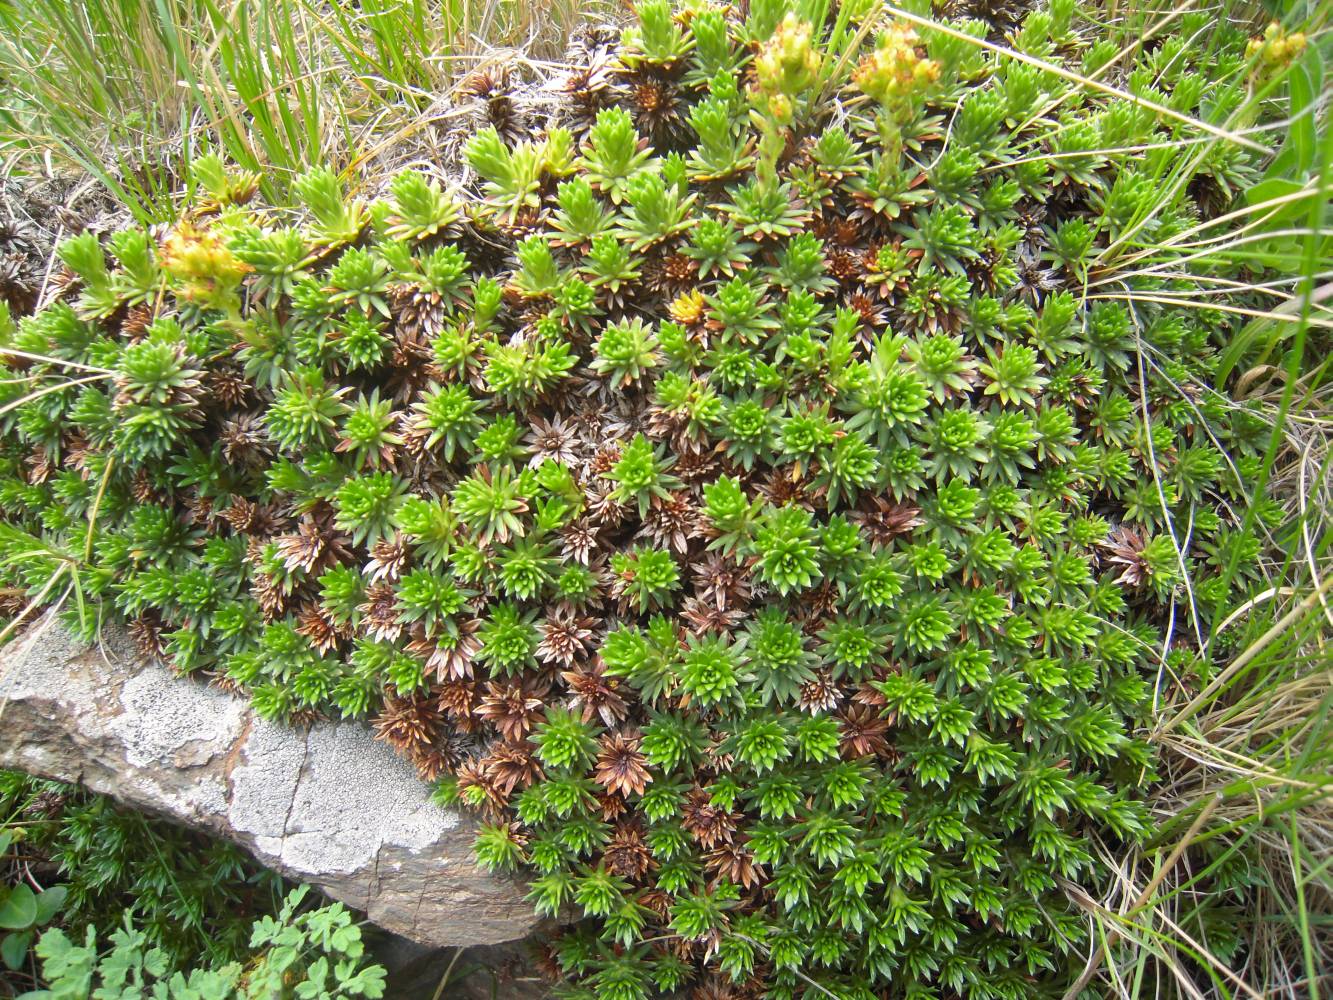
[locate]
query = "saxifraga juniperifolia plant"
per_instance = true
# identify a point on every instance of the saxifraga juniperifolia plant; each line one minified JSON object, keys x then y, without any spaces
{"x":777,"y":550}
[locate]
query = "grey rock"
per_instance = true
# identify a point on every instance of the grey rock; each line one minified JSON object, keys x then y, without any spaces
{"x":328,"y":805}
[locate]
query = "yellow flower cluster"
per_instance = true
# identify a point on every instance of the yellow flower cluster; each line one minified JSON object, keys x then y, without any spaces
{"x":785,"y":68}
{"x":895,"y":70}
{"x":1275,"y":48}
{"x":208,"y":272}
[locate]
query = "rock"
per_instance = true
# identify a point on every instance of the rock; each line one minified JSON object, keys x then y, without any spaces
{"x":329,"y":806}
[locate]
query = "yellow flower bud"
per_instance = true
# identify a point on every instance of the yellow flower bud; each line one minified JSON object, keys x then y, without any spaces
{"x":780,"y":107}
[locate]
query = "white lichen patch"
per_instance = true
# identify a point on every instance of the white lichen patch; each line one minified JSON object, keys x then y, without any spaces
{"x":35,"y":665}
{"x":329,"y":805}
{"x":184,"y":724}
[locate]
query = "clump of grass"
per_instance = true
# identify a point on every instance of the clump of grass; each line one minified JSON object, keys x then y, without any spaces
{"x":134,"y":91}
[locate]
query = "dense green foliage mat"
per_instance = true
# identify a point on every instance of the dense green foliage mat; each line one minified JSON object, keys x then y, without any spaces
{"x":768,"y":495}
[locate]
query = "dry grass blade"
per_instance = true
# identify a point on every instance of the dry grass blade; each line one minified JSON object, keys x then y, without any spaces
{"x":1244,"y":659}
{"x":1143,"y":898}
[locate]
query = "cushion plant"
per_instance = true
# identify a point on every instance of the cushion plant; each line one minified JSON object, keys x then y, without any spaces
{"x":764,"y":495}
